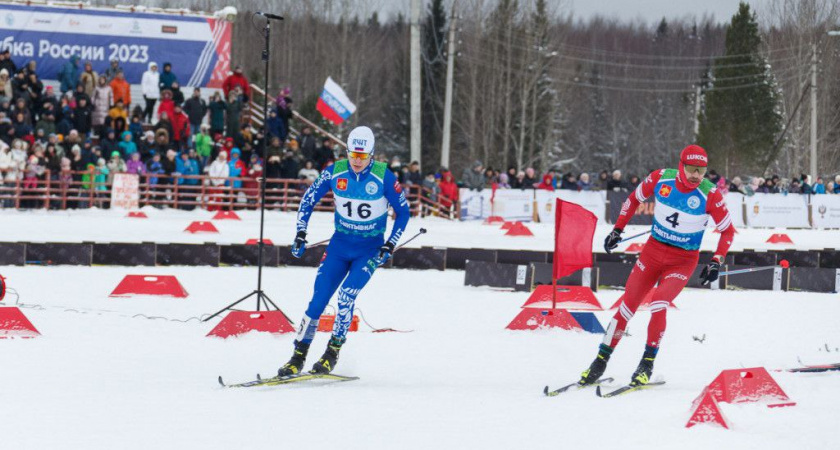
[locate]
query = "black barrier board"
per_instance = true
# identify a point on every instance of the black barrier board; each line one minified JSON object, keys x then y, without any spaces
{"x":248,"y":255}
{"x":752,"y":258}
{"x":423,"y":258}
{"x":116,"y":254}
{"x":812,"y":279}
{"x":12,"y":253}
{"x":311,"y":257}
{"x":522,"y":256}
{"x":643,"y":216}
{"x":830,"y":259}
{"x":53,"y":253}
{"x":623,"y":258}
{"x":188,"y":255}
{"x":456,"y":258}
{"x":762,"y":280}
{"x":542,"y":273}
{"x":512,"y":276}
{"x":799,"y":258}
{"x":613,"y":274}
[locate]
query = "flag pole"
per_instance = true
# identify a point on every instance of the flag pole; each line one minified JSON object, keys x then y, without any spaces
{"x":557,"y":207}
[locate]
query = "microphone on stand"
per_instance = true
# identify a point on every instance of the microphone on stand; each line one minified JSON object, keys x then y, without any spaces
{"x":270,"y":16}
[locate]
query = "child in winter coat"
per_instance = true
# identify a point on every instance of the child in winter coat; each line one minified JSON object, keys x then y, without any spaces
{"x":127,"y":145}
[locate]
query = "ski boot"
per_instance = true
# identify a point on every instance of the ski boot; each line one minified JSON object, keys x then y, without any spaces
{"x":295,"y":364}
{"x":330,"y":358}
{"x":642,"y":374}
{"x":597,"y":368}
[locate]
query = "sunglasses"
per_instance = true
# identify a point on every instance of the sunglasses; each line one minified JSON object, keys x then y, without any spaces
{"x":695,"y":169}
{"x":358,"y":155}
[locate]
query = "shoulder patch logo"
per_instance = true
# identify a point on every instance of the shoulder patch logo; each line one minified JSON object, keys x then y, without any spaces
{"x":693,"y":202}
{"x":341,"y":184}
{"x":371,"y":188}
{"x":665,"y":191}
{"x":397,"y":187}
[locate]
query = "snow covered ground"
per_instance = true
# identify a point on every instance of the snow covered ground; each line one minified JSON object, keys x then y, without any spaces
{"x":167,"y":226}
{"x":103,"y":376}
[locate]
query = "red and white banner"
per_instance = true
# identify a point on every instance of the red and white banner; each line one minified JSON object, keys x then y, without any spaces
{"x":125,"y":192}
{"x":510,"y":204}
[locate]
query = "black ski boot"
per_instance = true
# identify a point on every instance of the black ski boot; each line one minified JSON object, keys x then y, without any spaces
{"x":597,"y":368}
{"x":330,"y":358}
{"x":295,"y":364}
{"x":643,"y":372}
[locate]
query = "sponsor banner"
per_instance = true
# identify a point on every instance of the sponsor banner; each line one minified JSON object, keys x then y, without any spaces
{"x":592,"y":201}
{"x":825,"y":211}
{"x":777,"y":210}
{"x":735,"y":205}
{"x":510,"y":204}
{"x":644,"y":215}
{"x":198,"y":47}
{"x":125,"y":192}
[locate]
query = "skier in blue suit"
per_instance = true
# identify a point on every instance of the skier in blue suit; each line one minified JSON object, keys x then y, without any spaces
{"x":363,"y":189}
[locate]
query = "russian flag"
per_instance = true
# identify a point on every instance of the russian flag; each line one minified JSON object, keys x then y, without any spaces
{"x":334,"y":104}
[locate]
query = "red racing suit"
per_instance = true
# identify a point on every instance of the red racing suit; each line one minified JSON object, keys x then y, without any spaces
{"x":671,"y":253}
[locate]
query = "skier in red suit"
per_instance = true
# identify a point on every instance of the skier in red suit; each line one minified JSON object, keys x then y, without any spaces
{"x":683,"y":202}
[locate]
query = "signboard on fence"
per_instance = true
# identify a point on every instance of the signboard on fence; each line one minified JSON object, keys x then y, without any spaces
{"x":825,"y":211}
{"x":125,"y":191}
{"x":198,"y":47}
{"x":594,"y":202}
{"x":776,"y":210}
{"x":735,"y":205}
{"x":510,"y":204}
{"x":644,"y":215}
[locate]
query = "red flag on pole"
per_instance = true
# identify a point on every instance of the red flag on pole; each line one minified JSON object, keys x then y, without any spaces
{"x":574,"y":228}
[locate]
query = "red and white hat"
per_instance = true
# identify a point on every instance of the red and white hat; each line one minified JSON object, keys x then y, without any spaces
{"x":694,"y":155}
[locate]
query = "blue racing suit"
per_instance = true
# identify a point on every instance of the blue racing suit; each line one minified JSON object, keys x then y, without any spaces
{"x":361,"y":215}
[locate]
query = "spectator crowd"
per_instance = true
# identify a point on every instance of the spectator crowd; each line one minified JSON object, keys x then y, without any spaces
{"x":92,"y":129}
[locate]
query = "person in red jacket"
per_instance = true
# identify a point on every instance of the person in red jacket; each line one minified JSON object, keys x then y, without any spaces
{"x":180,"y":128}
{"x":448,"y":189}
{"x":683,"y":202}
{"x":547,"y":182}
{"x":237,"y":79}
{"x":167,"y":105}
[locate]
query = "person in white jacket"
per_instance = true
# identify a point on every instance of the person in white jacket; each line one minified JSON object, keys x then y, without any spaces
{"x":219,"y":170}
{"x":151,"y":91}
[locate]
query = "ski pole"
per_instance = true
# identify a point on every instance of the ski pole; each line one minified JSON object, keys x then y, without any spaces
{"x":634,"y":236}
{"x":325,"y":241}
{"x":422,"y":231}
{"x":783,"y":264}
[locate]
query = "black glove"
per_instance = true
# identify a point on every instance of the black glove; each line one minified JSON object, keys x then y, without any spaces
{"x":612,"y":240}
{"x":710,"y":272}
{"x":384,"y":254}
{"x":299,"y":246}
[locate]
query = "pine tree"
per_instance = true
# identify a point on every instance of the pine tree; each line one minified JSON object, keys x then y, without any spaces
{"x":742,"y":119}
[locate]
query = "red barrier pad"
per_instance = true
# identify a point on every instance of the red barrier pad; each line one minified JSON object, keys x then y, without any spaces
{"x":13,"y":324}
{"x":201,"y":227}
{"x":226,"y":215}
{"x":494,"y":220}
{"x":779,"y":238}
{"x":635,"y":248}
{"x":568,"y":297}
{"x":645,"y":305}
{"x":328,"y":321}
{"x":748,"y":385}
{"x":533,"y":319}
{"x":508,"y":225}
{"x":518,"y":229}
{"x":255,"y":241}
{"x":706,"y":410}
{"x":241,"y":322}
{"x":137,"y":214}
{"x":159,"y":285}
